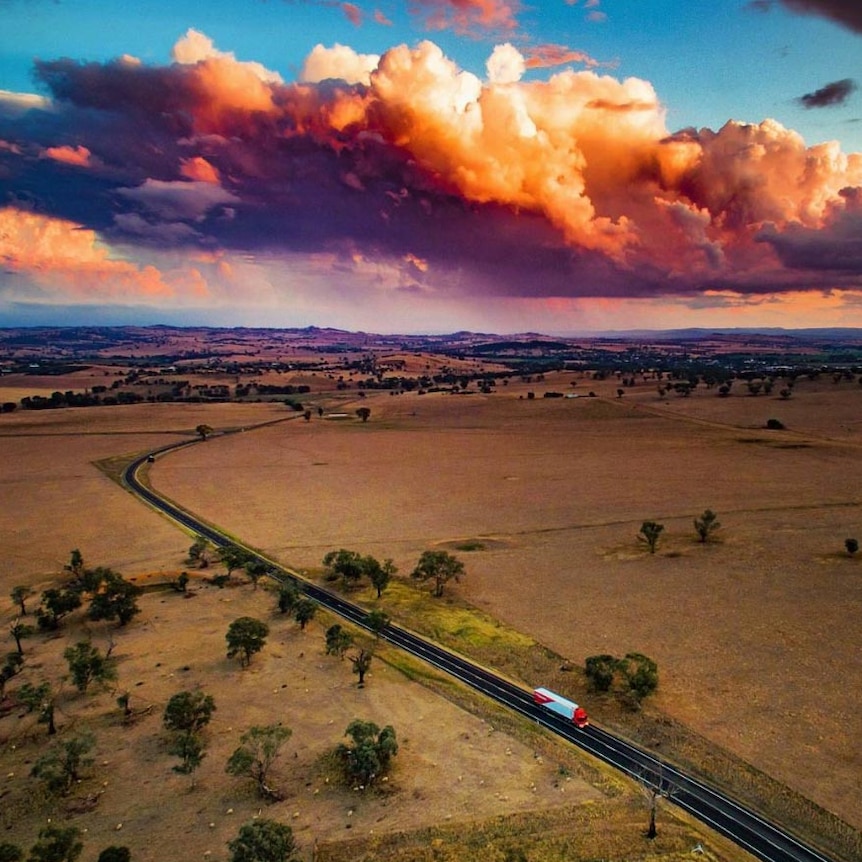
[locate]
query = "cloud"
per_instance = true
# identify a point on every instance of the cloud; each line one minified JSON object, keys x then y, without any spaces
{"x":468,"y":16}
{"x":506,"y":65}
{"x":196,"y":47}
{"x":832,"y":94}
{"x":548,"y":55}
{"x":15,"y":104}
{"x":567,"y":187}
{"x":199,"y":169}
{"x":174,"y":201}
{"x":845,"y":12}
{"x":67,"y":260}
{"x":78,"y":156}
{"x":339,"y":62}
{"x":353,"y":13}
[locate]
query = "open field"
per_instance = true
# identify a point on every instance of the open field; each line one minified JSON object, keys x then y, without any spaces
{"x":755,"y":634}
{"x":132,"y":797}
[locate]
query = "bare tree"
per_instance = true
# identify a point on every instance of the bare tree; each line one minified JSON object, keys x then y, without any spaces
{"x":654,"y":785}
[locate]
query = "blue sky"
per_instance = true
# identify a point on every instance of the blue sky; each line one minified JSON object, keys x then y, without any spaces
{"x":590,"y":257}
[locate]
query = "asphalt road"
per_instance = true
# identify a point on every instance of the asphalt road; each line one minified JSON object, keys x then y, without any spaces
{"x":762,"y":839}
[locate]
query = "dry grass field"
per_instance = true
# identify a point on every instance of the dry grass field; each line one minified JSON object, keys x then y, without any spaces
{"x":756,"y":633}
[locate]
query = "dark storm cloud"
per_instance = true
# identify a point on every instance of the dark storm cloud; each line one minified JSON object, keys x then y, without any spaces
{"x":570,"y":189}
{"x":845,"y":12}
{"x":835,"y":93}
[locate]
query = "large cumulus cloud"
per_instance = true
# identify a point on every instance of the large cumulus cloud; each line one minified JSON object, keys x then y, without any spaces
{"x":572,"y":186}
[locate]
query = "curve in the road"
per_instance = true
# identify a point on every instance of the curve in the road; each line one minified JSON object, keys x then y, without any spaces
{"x":761,"y":838}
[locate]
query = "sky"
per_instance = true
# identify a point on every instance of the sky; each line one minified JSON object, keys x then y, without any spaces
{"x":558,"y":166}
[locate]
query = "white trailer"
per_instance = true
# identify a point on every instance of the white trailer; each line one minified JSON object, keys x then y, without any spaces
{"x":561,"y":705}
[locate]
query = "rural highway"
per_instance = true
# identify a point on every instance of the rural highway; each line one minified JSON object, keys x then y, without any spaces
{"x":762,"y":839}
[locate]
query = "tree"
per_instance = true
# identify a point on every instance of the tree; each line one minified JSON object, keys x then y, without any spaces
{"x":233,"y":557}
{"x":361,"y":664}
{"x":10,"y":852}
{"x":338,"y":641}
{"x":259,"y":748}
{"x":19,"y":596}
{"x":288,"y":596}
{"x":379,"y":574}
{"x":75,"y":566}
{"x":11,"y":667}
{"x":245,"y":637}
{"x":368,"y":754}
{"x":256,"y":569}
{"x":186,"y":715}
{"x":87,"y":664}
{"x":57,"y":844}
{"x":61,"y":766}
{"x":181,"y":583}
{"x":347,"y":565}
{"x":706,"y":524}
{"x":39,"y":699}
{"x":189,"y":747}
{"x":203,"y":431}
{"x":439,"y":566}
{"x":87,"y":581}
{"x":200,"y":553}
{"x":188,"y":712}
{"x":377,"y":621}
{"x":364,"y":413}
{"x":851,"y":546}
{"x":263,"y":840}
{"x":56,"y":604}
{"x":304,"y":612}
{"x":20,"y":630}
{"x":123,"y":703}
{"x":600,"y":670}
{"x":117,"y":600}
{"x":649,"y":533}
{"x":641,"y":674}
{"x":115,"y":854}
{"x":654,"y":787}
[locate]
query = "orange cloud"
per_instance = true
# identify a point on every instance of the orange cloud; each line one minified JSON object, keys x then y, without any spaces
{"x":79,"y":156}
{"x":465,"y":16}
{"x":550,"y":55}
{"x":200,"y":170}
{"x":224,"y":87}
{"x":353,"y":13}
{"x":410,"y":154}
{"x":418,"y":262}
{"x":68,"y":262}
